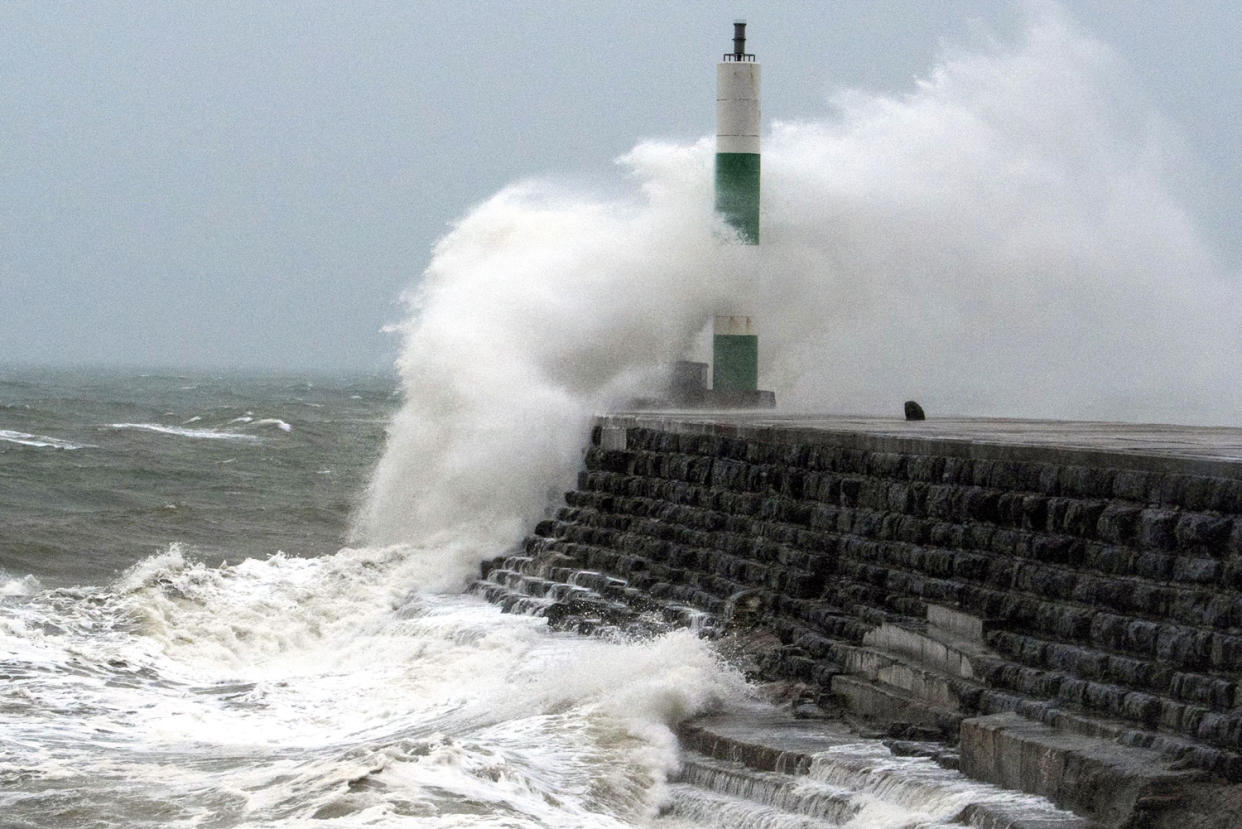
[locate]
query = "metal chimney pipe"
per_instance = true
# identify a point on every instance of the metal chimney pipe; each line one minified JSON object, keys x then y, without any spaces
{"x":739,"y":38}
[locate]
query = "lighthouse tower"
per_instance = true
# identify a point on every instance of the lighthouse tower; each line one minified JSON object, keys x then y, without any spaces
{"x":737,"y":138}
{"x":735,"y":340}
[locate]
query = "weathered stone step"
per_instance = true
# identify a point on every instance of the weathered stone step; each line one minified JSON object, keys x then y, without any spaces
{"x":824,"y":770}
{"x":1115,"y":785}
{"x":508,"y":600}
{"x":1036,"y":692}
{"x":762,"y":738}
{"x":704,"y":807}
{"x":591,"y":601}
{"x":1174,"y":748}
{"x":881,"y":702}
{"x":1202,"y":721}
{"x":959,"y":624}
{"x":1043,"y":501}
{"x":934,"y":648}
{"x":828,"y":805}
{"x":951,"y":693}
{"x":1221,"y":691}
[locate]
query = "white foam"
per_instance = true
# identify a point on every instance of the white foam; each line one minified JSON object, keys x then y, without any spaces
{"x":272,"y":421}
{"x":304,"y":674}
{"x":25,"y":585}
{"x":38,"y":441}
{"x":202,"y":434}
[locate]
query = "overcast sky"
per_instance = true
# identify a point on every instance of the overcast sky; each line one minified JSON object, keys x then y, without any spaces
{"x":253,"y":185}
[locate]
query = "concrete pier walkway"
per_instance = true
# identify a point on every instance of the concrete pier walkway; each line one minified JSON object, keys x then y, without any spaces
{"x":1202,"y":450}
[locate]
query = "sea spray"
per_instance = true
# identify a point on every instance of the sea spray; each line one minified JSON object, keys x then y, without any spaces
{"x":1001,"y":241}
{"x":272,"y":692}
{"x":536,"y":309}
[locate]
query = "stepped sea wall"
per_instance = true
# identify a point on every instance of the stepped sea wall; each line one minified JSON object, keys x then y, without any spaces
{"x":1103,"y":588}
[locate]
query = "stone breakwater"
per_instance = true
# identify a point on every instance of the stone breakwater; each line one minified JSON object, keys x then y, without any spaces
{"x":929,"y":581}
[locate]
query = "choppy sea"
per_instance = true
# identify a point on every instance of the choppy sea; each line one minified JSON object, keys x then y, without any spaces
{"x":188,"y":639}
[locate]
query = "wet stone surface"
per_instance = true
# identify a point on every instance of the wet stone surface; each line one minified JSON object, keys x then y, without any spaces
{"x":1107,"y":560}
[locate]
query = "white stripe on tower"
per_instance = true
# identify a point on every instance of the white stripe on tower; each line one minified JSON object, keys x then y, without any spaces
{"x":737,"y":107}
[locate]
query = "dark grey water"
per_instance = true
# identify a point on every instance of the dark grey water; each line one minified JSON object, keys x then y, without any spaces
{"x":99,"y":470}
{"x":188,"y":640}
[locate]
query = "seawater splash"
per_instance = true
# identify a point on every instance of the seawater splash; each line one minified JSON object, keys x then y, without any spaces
{"x":269,"y":693}
{"x":11,"y":585}
{"x":1000,"y":241}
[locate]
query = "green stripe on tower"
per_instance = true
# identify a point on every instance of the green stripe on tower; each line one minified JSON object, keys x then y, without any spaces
{"x":735,"y":362}
{"x":737,"y":193}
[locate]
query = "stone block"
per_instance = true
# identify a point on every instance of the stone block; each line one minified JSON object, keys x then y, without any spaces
{"x":1117,"y":523}
{"x":1081,"y":516}
{"x":1108,"y":558}
{"x":1156,"y":529}
{"x":979,"y":536}
{"x":945,"y":534}
{"x":1193,"y":492}
{"x":958,"y":623}
{"x":1003,"y":541}
{"x":1225,"y":651}
{"x":877,"y":701}
{"x":978,"y":504}
{"x":1056,"y":549}
{"x":1086,"y":481}
{"x":849,"y":490}
{"x":940,"y":502}
{"x":1034,"y":512}
{"x":1132,"y":485}
{"x":1048,"y":483}
{"x":1096,"y":778}
{"x":1009,"y":509}
{"x":1202,"y":531}
{"x":1153,"y":565}
{"x":1197,"y":570}
{"x":926,"y":468}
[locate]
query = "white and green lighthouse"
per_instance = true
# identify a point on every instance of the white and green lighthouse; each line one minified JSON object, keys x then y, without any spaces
{"x":735,"y":342}
{"x":737,"y":138}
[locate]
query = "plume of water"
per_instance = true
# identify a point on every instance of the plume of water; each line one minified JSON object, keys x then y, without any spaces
{"x":1001,"y":240}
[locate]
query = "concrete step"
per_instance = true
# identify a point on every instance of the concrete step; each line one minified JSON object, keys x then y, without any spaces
{"x":823,"y":771}
{"x":1113,"y":784}
{"x":586,"y":601}
{"x":905,"y":673}
{"x":881,"y":702}
{"x":934,"y":648}
{"x":957,"y":623}
{"x":697,"y":806}
{"x":825,"y":805}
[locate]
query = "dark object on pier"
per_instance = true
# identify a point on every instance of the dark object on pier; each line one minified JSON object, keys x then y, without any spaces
{"x":914,"y":411}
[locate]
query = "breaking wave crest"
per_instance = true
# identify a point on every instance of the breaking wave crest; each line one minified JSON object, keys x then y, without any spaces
{"x":290,"y":689}
{"x":179,"y":431}
{"x":37,"y":441}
